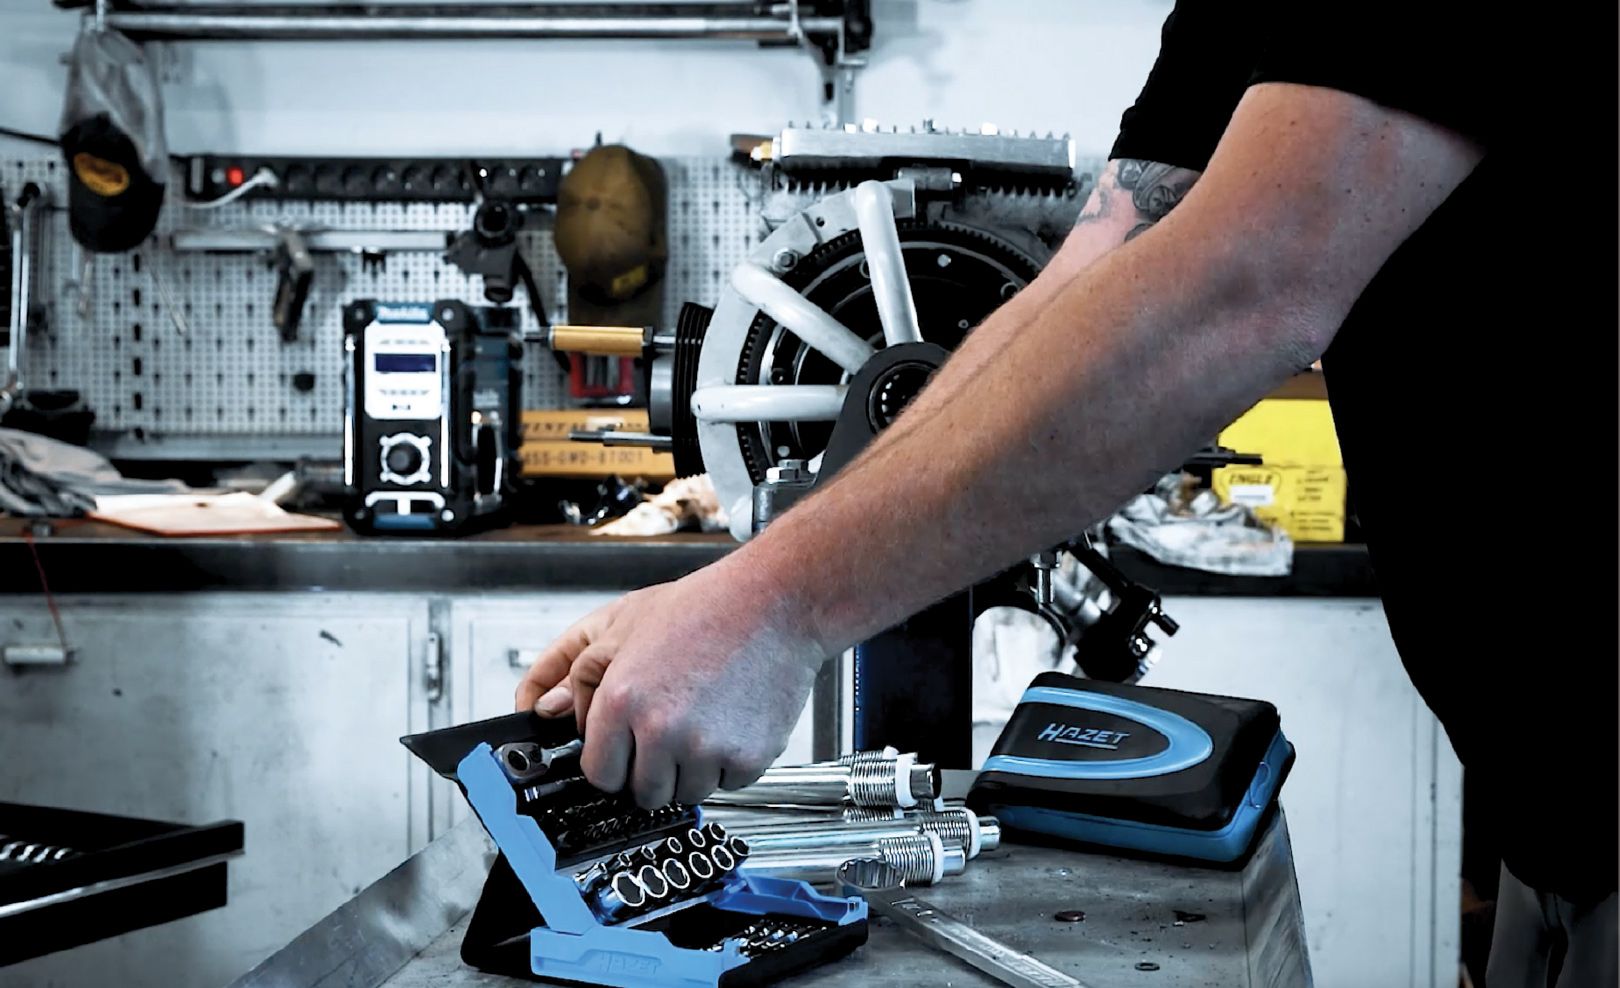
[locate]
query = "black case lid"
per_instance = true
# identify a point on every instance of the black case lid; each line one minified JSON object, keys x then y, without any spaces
{"x":1201,"y":797}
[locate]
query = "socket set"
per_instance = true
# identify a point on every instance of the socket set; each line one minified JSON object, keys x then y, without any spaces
{"x":590,"y":888}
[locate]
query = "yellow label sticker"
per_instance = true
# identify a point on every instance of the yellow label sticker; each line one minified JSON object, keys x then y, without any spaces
{"x":103,"y":177}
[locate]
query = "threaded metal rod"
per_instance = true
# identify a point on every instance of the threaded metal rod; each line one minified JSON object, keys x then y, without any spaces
{"x":921,"y":858}
{"x":745,"y":816}
{"x":955,"y":827}
{"x":864,"y":783}
{"x":958,"y":828}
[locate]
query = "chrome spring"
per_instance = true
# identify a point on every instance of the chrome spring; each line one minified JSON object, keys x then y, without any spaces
{"x":31,"y":852}
{"x":873,"y":784}
{"x":852,"y":758}
{"x":913,"y":856}
{"x":952,"y":827}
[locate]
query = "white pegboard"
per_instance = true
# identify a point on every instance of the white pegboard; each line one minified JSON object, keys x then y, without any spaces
{"x":229,"y":374}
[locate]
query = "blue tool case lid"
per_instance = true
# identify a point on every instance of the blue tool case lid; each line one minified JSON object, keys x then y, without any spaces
{"x":1133,"y":753}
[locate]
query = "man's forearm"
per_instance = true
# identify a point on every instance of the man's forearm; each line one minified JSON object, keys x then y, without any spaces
{"x":1129,"y":197}
{"x":1136,"y":359}
{"x":1080,"y":407}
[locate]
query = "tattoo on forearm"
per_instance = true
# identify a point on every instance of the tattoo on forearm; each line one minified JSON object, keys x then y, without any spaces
{"x":1155,"y":189}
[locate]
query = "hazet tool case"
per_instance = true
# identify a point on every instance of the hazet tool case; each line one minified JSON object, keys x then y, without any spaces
{"x":1154,"y":771}
{"x":549,"y":911}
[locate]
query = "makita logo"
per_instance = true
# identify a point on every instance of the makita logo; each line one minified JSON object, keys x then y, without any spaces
{"x":404,"y":313}
{"x":1086,"y":737}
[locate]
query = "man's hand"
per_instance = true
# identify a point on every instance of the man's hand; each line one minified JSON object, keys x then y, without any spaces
{"x":682,"y":688}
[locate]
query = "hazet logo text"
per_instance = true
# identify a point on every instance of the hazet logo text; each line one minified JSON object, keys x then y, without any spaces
{"x":1086,"y":737}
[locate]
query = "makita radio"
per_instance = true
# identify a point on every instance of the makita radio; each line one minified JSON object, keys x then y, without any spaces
{"x":1159,"y":772}
{"x":431,"y":430}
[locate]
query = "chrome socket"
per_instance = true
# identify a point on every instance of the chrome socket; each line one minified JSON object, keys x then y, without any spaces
{"x":723,"y":859}
{"x":623,"y":894}
{"x":654,"y":882}
{"x":676,"y":875}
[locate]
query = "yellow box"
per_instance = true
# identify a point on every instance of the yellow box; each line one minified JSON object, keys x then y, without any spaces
{"x":1287,"y":432}
{"x":1306,"y":502}
{"x":548,"y":452}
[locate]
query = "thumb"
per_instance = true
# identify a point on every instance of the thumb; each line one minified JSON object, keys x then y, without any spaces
{"x":555,"y":701}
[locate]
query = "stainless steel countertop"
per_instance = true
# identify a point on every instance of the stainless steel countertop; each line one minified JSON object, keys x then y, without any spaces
{"x":91,"y":557}
{"x":1196,"y":926}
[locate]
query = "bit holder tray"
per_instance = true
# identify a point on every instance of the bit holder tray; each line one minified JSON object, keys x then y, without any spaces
{"x":558,"y":907}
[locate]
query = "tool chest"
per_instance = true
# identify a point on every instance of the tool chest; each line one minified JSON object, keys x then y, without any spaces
{"x":69,"y":878}
{"x":589,"y":888}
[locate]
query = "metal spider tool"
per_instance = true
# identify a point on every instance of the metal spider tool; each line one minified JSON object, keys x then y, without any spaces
{"x":882,"y":886}
{"x":431,"y":428}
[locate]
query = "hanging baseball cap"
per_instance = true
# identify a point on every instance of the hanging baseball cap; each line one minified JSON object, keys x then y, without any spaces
{"x":112,"y":138}
{"x":611,"y":237}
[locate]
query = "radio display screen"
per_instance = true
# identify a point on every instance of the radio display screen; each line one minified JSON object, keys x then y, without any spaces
{"x":405,"y":363}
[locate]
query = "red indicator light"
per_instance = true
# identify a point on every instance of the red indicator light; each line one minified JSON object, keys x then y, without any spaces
{"x":235,"y":175}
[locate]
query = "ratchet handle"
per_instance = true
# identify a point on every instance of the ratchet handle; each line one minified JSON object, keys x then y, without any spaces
{"x":956,"y":937}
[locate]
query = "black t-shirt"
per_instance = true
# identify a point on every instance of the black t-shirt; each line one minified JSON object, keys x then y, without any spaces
{"x":1473,"y":388}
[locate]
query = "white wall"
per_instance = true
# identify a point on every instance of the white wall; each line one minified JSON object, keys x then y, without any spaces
{"x":1060,"y":65}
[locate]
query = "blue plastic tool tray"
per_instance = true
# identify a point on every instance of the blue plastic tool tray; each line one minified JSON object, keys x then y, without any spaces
{"x":533,"y":921}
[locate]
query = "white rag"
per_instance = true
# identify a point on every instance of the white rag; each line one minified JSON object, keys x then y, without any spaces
{"x":1179,"y":527}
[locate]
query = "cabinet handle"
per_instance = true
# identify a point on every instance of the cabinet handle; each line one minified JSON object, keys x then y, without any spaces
{"x":433,"y":668}
{"x":36,"y":655}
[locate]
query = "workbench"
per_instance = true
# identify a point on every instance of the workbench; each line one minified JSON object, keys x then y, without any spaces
{"x":176,"y":641}
{"x":1146,"y":924}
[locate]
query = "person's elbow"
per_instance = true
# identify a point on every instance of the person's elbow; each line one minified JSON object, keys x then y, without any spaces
{"x":1308,"y":196}
{"x":1282,"y":304}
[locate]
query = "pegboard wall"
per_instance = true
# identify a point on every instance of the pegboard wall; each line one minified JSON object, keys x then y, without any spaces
{"x":175,"y":349}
